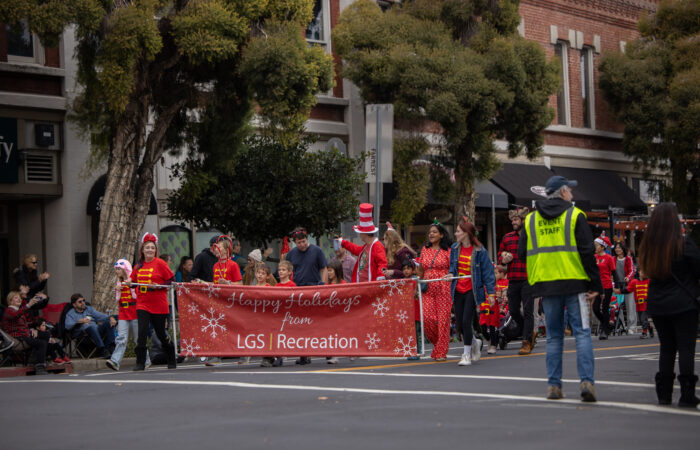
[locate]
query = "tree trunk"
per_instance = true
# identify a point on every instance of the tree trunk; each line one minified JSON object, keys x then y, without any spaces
{"x":680,"y":187}
{"x":464,"y":187}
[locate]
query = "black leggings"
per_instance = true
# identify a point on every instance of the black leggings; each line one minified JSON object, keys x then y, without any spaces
{"x":144,"y":320}
{"x":519,"y":295}
{"x":464,"y":314}
{"x":601,"y":309}
{"x":38,"y":347}
{"x":677,"y":334}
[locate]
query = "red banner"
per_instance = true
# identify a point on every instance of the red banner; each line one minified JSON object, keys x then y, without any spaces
{"x":360,"y":319}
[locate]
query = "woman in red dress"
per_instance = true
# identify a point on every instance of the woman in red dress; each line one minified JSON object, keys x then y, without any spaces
{"x":434,"y":263}
{"x":152,"y":302}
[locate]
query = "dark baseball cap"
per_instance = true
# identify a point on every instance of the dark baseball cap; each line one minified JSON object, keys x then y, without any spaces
{"x":556,"y":182}
{"x":214,"y":240}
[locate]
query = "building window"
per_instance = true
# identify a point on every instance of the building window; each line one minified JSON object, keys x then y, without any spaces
{"x":318,"y":32}
{"x":587,"y":91}
{"x":23,"y":46}
{"x":561,"y":49}
{"x":648,"y":190}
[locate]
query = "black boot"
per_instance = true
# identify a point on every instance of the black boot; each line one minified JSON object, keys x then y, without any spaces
{"x":40,"y":369}
{"x":688,"y":398}
{"x":140,"y":359}
{"x":170,"y":355}
{"x":664,"y":387}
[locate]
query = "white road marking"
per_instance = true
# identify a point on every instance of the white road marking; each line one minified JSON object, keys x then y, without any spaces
{"x":425,"y":375}
{"x":643,"y":356}
{"x":622,"y":405}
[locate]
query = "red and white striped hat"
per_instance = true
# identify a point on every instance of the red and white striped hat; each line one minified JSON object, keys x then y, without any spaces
{"x":366,"y":225}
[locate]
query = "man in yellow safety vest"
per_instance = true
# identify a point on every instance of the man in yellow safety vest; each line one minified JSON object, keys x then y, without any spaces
{"x":561,"y":268}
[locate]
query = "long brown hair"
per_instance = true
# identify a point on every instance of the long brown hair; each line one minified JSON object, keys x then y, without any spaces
{"x":470,"y":229}
{"x":662,"y":242}
{"x":395,"y":243}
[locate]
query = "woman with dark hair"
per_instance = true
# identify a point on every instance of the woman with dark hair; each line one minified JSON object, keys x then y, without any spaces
{"x":469,"y":259}
{"x":624,"y":269}
{"x":671,"y":261}
{"x":151,"y":302}
{"x":434,"y":263}
{"x":182,"y":275}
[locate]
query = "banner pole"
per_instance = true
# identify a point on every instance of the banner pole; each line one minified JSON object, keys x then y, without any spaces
{"x":422,"y":335}
{"x":171,"y":298}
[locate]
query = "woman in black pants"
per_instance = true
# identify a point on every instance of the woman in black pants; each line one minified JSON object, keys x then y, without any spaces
{"x":152,"y":302}
{"x":672,"y":263}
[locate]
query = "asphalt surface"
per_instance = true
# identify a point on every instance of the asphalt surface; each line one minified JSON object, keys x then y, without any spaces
{"x":368,"y":403}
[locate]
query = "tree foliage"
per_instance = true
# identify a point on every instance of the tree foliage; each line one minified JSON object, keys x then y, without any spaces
{"x":654,"y":89}
{"x":149,"y":69}
{"x":268,"y":189}
{"x":460,"y":64}
{"x":412,"y":179}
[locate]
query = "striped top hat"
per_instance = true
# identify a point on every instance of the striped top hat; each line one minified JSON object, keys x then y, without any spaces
{"x":366,"y":225}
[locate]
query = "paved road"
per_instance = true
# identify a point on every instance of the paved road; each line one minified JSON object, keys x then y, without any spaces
{"x":368,"y":403}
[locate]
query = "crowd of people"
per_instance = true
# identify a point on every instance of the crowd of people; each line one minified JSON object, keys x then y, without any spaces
{"x":550,"y":264}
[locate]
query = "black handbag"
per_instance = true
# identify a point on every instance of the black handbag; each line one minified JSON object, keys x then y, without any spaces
{"x":424,"y":286}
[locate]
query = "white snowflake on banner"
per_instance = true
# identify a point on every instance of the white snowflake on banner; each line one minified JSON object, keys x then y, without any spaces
{"x":405,"y":348}
{"x":193,"y":308}
{"x":210,"y":289}
{"x":188,"y":346}
{"x":182,"y":289}
{"x":393,"y":285}
{"x":372,"y":341}
{"x":212,"y":322}
{"x":380,"y":307}
{"x":402,"y":316}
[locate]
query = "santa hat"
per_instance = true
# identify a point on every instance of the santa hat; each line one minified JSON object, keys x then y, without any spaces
{"x":124,"y":264}
{"x":607,"y":241}
{"x":389,"y":226}
{"x":600,"y":240}
{"x":366,"y":225}
{"x":148,"y":237}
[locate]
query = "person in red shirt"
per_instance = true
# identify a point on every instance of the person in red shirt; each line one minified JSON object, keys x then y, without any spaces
{"x":334,"y":272}
{"x":601,"y":304}
{"x":640,"y":288}
{"x":371,"y":257}
{"x":226,"y":271}
{"x":151,"y":302}
{"x":127,"y":323}
{"x":285,"y":269}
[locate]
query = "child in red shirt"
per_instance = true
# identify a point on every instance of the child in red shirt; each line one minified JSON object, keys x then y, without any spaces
{"x":601,"y":304}
{"x":225,"y":270}
{"x":408,"y":267}
{"x":263,"y":276}
{"x":284,"y":270}
{"x":640,"y":288}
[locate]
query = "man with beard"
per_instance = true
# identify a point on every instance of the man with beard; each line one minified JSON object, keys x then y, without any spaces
{"x":518,"y":291}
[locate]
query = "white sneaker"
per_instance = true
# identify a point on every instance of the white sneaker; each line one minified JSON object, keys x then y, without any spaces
{"x":332,"y":360}
{"x":465,"y":361}
{"x":491,"y":350}
{"x":476,"y":350}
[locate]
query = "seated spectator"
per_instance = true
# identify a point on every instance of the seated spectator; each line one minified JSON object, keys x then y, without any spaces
{"x":27,"y":274}
{"x":54,"y":349}
{"x":15,"y":324}
{"x":41,"y":300}
{"x":96,"y":324}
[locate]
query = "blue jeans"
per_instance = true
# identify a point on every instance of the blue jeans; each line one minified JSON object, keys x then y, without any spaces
{"x":554,"y":316}
{"x":96,"y":331}
{"x":124,"y":328}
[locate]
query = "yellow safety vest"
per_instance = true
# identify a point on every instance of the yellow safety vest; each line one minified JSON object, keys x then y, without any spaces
{"x":551,"y":248}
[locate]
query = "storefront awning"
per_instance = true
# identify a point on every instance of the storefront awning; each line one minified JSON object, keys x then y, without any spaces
{"x":486,"y":192}
{"x":602,"y":188}
{"x":97,"y":193}
{"x":518,"y":179}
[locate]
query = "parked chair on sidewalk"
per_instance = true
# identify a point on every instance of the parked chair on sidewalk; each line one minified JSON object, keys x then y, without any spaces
{"x":80,"y":346}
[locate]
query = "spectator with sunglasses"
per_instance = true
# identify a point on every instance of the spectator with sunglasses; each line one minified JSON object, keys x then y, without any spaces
{"x":27,"y":274}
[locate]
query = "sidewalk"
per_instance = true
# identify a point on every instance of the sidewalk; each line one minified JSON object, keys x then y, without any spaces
{"x":77,"y":366}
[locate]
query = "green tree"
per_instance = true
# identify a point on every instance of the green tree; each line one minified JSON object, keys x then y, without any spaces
{"x":460,"y":63}
{"x":412,"y":179}
{"x":654,"y":89}
{"x":267,"y":188}
{"x":147,"y":69}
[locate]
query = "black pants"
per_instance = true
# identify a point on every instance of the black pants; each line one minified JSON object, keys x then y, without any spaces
{"x":158,"y":320}
{"x":677,"y":334}
{"x":38,"y":347}
{"x":518,"y":294}
{"x":601,"y":309}
{"x":464,"y":314}
{"x":491,"y":334}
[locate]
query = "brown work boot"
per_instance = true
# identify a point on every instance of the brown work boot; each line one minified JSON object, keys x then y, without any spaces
{"x":525,"y":349}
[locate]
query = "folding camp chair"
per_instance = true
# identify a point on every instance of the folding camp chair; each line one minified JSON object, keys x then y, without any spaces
{"x":80,"y":346}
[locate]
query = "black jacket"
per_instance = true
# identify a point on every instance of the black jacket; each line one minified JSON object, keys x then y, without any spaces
{"x":203,"y":267}
{"x":667,"y":297}
{"x":29,"y":278}
{"x":550,"y":209}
